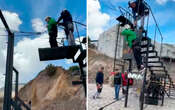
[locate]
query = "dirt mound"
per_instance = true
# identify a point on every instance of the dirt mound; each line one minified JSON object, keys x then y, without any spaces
{"x":95,"y":60}
{"x":54,"y":92}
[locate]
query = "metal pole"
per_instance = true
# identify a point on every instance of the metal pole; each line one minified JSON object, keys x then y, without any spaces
{"x":9,"y":66}
{"x":164,"y":79}
{"x":78,"y":33}
{"x":115,"y":53}
{"x":16,"y":82}
{"x":83,"y":77}
{"x":144,"y":78}
{"x":127,"y":89}
{"x":79,"y":23}
{"x":9,"y":72}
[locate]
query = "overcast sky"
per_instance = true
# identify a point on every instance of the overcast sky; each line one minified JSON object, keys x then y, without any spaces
{"x":28,"y":15}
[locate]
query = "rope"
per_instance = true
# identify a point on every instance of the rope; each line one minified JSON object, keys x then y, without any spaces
{"x":161,"y":49}
{"x":155,"y":34}
{"x":76,"y":22}
{"x":147,"y":24}
{"x":78,"y":33}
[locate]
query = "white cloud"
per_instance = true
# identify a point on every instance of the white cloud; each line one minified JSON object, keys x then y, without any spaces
{"x":13,"y":21}
{"x":26,"y":56}
{"x":38,"y":25}
{"x":162,"y":2}
{"x":97,"y":20}
{"x":69,"y":61}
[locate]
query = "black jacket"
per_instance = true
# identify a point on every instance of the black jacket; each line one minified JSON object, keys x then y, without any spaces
{"x":140,"y":8}
{"x":66,"y":16}
{"x":99,"y":77}
{"x":117,"y":79}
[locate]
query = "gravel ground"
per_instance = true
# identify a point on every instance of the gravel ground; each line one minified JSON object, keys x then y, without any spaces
{"x":107,"y":96}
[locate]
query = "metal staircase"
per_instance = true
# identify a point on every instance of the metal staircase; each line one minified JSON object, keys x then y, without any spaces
{"x":156,"y":77}
{"x":156,"y":68}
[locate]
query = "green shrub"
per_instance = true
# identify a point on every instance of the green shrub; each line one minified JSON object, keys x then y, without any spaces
{"x":51,"y":70}
{"x":74,"y":68}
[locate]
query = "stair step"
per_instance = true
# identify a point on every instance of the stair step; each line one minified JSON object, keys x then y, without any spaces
{"x":145,"y":38}
{"x":153,"y":57}
{"x":145,"y":45}
{"x":150,"y":51}
{"x":145,"y":49}
{"x":157,"y":68}
{"x":154,"y":70}
{"x":152,"y":66}
{"x":159,"y":72}
{"x":154,"y":62}
{"x":157,"y":63}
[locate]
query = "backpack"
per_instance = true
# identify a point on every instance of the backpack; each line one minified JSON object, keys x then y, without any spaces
{"x":131,"y":81}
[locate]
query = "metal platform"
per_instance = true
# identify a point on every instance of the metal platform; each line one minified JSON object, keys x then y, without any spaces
{"x":124,"y":20}
{"x":64,"y":52}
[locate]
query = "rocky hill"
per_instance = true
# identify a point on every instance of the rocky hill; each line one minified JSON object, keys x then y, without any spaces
{"x":95,"y":61}
{"x":54,"y":92}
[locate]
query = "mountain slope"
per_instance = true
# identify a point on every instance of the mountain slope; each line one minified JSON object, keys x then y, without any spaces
{"x":54,"y":92}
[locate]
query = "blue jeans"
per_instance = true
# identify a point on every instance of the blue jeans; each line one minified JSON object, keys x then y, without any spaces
{"x":117,"y":90}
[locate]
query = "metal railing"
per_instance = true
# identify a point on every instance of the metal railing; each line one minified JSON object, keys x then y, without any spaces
{"x":126,"y":13}
{"x":156,"y":29}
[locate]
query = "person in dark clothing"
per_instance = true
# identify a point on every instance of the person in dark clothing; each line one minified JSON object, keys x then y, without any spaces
{"x":52,"y":31}
{"x":30,"y":104}
{"x":99,"y":82}
{"x":68,"y":26}
{"x":117,"y":83}
{"x":139,"y":10}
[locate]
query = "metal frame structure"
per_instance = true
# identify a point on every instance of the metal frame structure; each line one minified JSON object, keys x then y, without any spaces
{"x":9,"y":66}
{"x":8,"y":101}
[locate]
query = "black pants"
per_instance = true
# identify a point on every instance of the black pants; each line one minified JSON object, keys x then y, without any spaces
{"x":137,"y":54}
{"x":52,"y":39}
{"x":99,"y":89}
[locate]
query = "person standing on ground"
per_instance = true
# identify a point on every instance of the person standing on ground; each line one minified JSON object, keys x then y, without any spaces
{"x":52,"y":31}
{"x":99,"y":82}
{"x":68,"y":26}
{"x":117,"y":83}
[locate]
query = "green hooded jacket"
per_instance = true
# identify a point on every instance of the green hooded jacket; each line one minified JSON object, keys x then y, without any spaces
{"x":51,"y":23}
{"x":129,"y":36}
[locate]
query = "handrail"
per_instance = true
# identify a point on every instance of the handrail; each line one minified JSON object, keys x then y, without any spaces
{"x":23,"y":104}
{"x":121,"y":8}
{"x":157,"y":26}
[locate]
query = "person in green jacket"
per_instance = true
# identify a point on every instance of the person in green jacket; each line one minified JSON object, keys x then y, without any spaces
{"x":134,"y":45}
{"x":52,"y":31}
